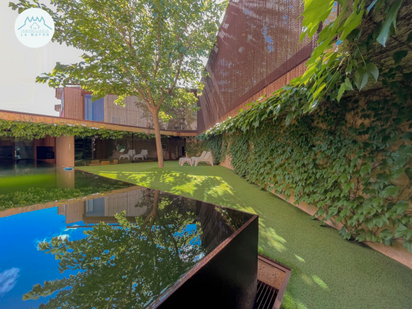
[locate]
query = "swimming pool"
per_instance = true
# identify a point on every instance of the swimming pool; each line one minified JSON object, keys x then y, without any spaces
{"x":129,"y":249}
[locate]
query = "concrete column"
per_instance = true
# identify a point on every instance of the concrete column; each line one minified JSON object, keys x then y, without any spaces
{"x":65,"y":151}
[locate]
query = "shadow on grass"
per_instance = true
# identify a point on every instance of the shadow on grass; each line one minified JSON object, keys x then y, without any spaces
{"x":327,"y":271}
{"x":211,"y":189}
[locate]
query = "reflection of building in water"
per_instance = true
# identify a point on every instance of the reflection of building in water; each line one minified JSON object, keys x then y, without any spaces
{"x":105,"y":208}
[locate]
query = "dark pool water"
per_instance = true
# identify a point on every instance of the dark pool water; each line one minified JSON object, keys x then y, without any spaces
{"x":116,"y":251}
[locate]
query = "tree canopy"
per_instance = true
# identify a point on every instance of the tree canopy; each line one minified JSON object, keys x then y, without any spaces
{"x":151,"y":49}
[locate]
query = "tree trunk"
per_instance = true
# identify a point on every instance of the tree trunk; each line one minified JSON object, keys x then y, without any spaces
{"x":159,"y":149}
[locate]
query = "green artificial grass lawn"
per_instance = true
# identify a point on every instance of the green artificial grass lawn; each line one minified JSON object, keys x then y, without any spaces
{"x":327,"y":271}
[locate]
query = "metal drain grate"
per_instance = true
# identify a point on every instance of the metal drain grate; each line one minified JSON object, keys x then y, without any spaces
{"x":265,"y":296}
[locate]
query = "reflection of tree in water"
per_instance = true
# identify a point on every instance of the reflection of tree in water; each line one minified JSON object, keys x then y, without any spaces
{"x":126,"y":266}
{"x":233,"y":219}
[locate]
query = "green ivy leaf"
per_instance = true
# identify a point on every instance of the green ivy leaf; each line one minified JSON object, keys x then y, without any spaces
{"x":385,"y":178}
{"x":407,"y":136}
{"x":386,"y":234}
{"x":407,"y":77}
{"x":403,"y":231}
{"x":399,"y":55}
{"x":365,"y":169}
{"x":408,"y":173}
{"x":408,"y":245}
{"x":397,"y":171}
{"x":405,"y":150}
{"x":388,"y":191}
{"x":400,"y":207}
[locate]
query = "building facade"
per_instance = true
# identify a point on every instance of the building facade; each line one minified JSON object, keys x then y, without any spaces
{"x":78,"y":104}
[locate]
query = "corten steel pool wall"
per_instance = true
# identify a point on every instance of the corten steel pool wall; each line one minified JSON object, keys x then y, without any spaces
{"x":226,"y":278}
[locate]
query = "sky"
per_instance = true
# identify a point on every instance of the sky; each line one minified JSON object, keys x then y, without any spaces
{"x":20,"y":65}
{"x":18,"y":273}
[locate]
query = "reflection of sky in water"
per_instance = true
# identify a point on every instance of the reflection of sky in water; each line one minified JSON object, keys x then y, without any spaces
{"x":8,"y":280}
{"x":19,"y":253}
{"x":23,"y":265}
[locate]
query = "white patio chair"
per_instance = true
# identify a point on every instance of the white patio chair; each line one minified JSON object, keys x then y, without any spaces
{"x":207,"y":158}
{"x":201,"y":157}
{"x":142,"y":155}
{"x":129,"y":155}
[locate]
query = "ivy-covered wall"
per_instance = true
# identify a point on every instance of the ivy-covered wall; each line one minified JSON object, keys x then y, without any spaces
{"x":339,"y":137}
{"x":30,"y":130}
{"x":352,"y":160}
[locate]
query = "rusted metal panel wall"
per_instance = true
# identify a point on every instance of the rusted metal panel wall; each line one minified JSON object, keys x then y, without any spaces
{"x":257,"y":45}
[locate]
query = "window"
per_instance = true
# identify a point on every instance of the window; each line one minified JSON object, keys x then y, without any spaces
{"x":93,"y":110}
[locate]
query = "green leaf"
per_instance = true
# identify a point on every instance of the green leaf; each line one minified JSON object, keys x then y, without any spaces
{"x":388,"y":191}
{"x":403,"y":231}
{"x":385,"y":178}
{"x":397,"y":171}
{"x":342,"y":89}
{"x":386,"y":234}
{"x":407,"y":76}
{"x":348,"y":84}
{"x":399,"y":55}
{"x":373,"y":70}
{"x":314,"y":13}
{"x":408,"y":245}
{"x":389,"y":26}
{"x":371,"y":6}
{"x":401,"y":207}
{"x":361,"y":78}
{"x":407,"y":136}
{"x":353,"y":21}
{"x":409,"y":39}
{"x":405,"y":150}
{"x":365,"y":169}
{"x":408,"y":172}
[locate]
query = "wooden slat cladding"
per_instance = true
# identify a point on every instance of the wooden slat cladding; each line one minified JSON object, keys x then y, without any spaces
{"x":73,"y":103}
{"x":130,"y":114}
{"x":59,"y":93}
{"x":257,"y":49}
{"x":268,"y":90}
